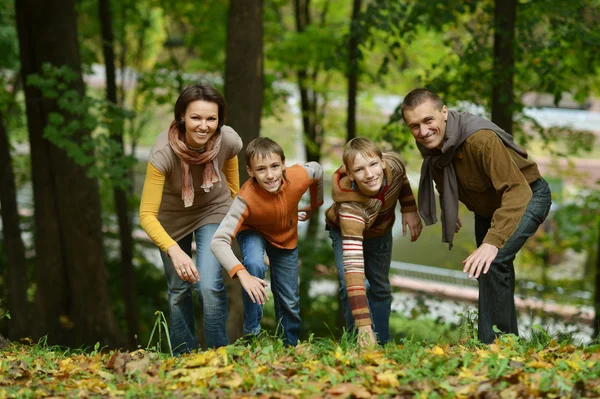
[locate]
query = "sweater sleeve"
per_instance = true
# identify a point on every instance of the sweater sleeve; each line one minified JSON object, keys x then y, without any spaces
{"x":232,"y":175}
{"x":508,"y":181}
{"x":352,"y":225}
{"x":315,"y":174}
{"x":406,"y":197}
{"x":223,"y":237}
{"x":149,"y":205}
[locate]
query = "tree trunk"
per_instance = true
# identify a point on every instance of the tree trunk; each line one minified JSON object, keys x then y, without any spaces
{"x":244,"y":76}
{"x":73,"y":305}
{"x":597,"y":301}
{"x":503,"y":104}
{"x":16,"y":273}
{"x":120,"y":193}
{"x":244,"y":92}
{"x":353,"y":60}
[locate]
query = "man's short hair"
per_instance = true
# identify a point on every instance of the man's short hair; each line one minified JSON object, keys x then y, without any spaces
{"x":262,"y":147}
{"x":418,"y":96}
{"x":362,"y":146}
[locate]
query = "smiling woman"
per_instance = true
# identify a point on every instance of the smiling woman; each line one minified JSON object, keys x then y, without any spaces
{"x":197,"y":148}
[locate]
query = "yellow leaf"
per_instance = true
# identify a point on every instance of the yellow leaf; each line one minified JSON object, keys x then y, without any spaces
{"x":197,"y":360}
{"x":234,"y":382}
{"x":574,"y":365}
{"x":465,"y":373}
{"x":388,"y":379}
{"x":294,"y":392}
{"x":341,"y":356}
{"x":437,"y":350}
{"x":105,"y":375}
{"x":375,"y":357}
{"x":539,"y":364}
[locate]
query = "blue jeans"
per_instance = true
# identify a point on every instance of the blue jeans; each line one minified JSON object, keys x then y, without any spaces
{"x":210,"y":290}
{"x":497,"y":287}
{"x":377,"y":252}
{"x":284,"y":285}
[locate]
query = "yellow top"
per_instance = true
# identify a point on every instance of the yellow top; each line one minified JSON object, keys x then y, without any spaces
{"x":152,"y":195}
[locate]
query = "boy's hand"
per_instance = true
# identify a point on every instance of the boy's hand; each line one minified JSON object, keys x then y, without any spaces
{"x":305,"y":213}
{"x":413,"y":221}
{"x":366,"y":337}
{"x":254,"y":286}
{"x":184,"y":266}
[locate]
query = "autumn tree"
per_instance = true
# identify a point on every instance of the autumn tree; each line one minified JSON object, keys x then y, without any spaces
{"x":244,"y":75}
{"x":121,"y":189}
{"x":71,"y":289}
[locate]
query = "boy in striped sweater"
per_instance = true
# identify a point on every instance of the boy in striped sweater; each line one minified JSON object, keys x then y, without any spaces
{"x":264,"y":217}
{"x":365,"y":191}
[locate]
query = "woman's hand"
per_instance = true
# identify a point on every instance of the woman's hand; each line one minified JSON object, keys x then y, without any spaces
{"x":254,"y":286}
{"x":366,"y":337}
{"x":413,"y":221}
{"x":186,"y":270}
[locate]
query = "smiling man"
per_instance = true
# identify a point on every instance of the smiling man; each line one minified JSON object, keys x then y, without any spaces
{"x":472,"y":160}
{"x":365,"y":193}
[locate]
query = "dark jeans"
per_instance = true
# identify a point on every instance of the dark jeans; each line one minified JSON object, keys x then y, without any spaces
{"x":377,"y":253}
{"x":497,"y":287}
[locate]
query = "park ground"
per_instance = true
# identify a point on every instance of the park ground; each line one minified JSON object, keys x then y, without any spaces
{"x":540,"y":366}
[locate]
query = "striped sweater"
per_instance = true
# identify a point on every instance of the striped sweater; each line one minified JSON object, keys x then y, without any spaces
{"x":359,"y":216}
{"x":273,"y":215}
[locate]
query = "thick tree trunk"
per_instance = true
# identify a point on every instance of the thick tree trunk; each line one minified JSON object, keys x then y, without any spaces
{"x":16,"y":272}
{"x":244,"y":76}
{"x":119,"y":193}
{"x":244,"y":92}
{"x":503,"y":104}
{"x":353,"y":60}
{"x":73,"y":305}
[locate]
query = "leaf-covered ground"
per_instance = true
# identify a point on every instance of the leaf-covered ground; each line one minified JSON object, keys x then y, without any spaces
{"x":510,"y":368}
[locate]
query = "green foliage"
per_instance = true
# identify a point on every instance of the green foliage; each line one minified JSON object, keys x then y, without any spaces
{"x":79,"y":114}
{"x":577,"y":223}
{"x":9,"y":45}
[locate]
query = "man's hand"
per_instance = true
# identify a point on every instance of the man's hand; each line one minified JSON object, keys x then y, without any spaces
{"x":186,"y":270}
{"x":480,"y":260}
{"x":413,"y":221}
{"x":458,"y":225}
{"x":366,"y":337}
{"x":305,"y":213}
{"x":254,"y":286}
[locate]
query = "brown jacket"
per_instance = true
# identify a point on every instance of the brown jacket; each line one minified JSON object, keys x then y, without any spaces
{"x":493,"y":181}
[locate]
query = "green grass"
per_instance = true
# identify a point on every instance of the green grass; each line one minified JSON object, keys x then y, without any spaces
{"x":543,"y":366}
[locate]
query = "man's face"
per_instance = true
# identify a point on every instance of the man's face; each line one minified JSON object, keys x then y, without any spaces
{"x":427,"y":124}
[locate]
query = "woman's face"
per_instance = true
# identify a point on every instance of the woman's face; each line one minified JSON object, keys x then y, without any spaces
{"x":201,"y":121}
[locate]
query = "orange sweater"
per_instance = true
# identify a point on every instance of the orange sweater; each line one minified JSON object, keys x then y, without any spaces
{"x":273,"y":215}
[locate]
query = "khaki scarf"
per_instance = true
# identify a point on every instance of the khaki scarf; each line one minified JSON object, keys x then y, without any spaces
{"x":208,"y":158}
{"x":459,"y":127}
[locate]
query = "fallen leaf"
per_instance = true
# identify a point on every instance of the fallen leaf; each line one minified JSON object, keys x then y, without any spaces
{"x":348,"y":389}
{"x":388,"y":379}
{"x":234,"y":382}
{"x":137,"y":365}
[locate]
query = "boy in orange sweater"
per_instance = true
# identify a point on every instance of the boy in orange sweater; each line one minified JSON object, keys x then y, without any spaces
{"x":264,"y":217}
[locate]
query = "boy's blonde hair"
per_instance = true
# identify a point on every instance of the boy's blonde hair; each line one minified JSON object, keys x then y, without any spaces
{"x":262,"y":147}
{"x":362,"y":146}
